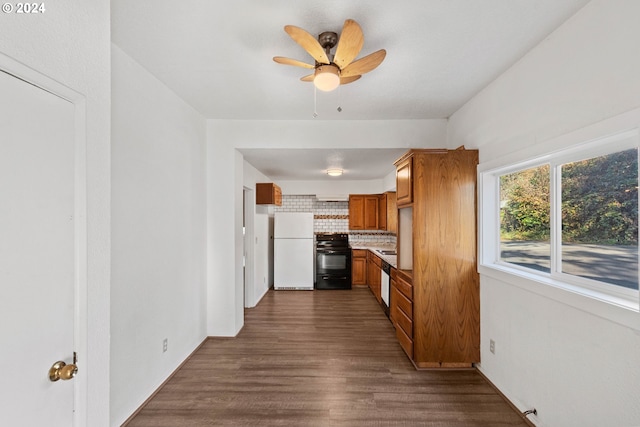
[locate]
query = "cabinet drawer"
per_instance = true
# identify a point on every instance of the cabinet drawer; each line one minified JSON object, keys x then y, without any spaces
{"x":405,"y":342}
{"x":402,"y":302}
{"x":404,"y":323}
{"x":375,"y":259}
{"x":359,"y":253}
{"x":404,"y":287}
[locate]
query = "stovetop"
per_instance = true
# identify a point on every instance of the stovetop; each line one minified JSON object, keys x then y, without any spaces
{"x":332,"y":240}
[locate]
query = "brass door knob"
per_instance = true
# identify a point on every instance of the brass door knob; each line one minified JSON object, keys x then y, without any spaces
{"x":62,"y":371}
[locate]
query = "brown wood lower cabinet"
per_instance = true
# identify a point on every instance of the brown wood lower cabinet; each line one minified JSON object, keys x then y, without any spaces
{"x":401,"y":310}
{"x":359,"y":267}
{"x":374,"y":269}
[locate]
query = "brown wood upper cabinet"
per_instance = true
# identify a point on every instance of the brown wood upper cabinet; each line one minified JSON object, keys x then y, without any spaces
{"x":363,"y":211}
{"x":356,"y":212}
{"x":268,"y":193}
{"x":373,"y":212}
{"x":388,"y":212}
{"x":404,"y":181}
{"x":438,"y":188}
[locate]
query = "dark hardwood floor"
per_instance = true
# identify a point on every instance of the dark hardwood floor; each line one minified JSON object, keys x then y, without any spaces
{"x":321,"y":358}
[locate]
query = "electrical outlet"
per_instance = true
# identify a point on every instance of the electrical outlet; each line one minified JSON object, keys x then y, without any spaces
{"x":492,"y":346}
{"x":165,"y":345}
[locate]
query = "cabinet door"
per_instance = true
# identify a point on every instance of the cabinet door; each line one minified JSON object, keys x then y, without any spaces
{"x":382,"y":212}
{"x":393,"y":304}
{"x":370,"y":266}
{"x":358,"y":270}
{"x":373,"y":276}
{"x":371,"y":212}
{"x":356,"y":212}
{"x":268,"y":193}
{"x":391,"y":212}
{"x":377,"y":282}
{"x":404,"y":182}
{"x":446,"y":302}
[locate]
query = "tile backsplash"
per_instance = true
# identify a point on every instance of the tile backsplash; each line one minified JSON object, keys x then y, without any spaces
{"x":299,"y":204}
{"x":333,"y":217}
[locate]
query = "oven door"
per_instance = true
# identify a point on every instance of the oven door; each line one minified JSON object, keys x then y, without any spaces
{"x":330,"y":261}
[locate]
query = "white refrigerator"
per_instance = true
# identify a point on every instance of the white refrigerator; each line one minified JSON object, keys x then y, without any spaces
{"x":293,"y":256}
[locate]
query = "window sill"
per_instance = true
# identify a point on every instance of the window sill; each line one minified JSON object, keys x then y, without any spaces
{"x":618,"y":310}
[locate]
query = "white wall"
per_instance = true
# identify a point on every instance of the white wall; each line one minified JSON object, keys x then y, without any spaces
{"x":576,"y":368}
{"x":389,"y":182}
{"x":70,"y":44}
{"x":225,"y":303}
{"x":158,"y":234}
{"x":584,"y":72}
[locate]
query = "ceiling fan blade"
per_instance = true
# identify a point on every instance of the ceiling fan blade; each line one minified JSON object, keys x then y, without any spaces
{"x":294,"y":62}
{"x":347,"y":80}
{"x":364,"y":64}
{"x":349,"y":45}
{"x":308,"y":78}
{"x":308,"y":43}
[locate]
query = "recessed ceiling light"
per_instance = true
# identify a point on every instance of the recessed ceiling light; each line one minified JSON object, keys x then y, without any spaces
{"x":334,"y":172}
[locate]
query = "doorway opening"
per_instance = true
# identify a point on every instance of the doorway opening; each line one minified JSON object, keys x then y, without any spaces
{"x":248,"y":261}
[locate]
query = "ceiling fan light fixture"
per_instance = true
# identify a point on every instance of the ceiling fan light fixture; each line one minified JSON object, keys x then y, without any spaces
{"x":334,"y":172}
{"x":327,"y":77}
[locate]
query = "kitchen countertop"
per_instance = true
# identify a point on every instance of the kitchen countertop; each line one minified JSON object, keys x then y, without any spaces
{"x":373,"y":247}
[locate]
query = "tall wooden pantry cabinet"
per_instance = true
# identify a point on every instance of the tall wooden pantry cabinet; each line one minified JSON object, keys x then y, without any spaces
{"x":436,"y":197}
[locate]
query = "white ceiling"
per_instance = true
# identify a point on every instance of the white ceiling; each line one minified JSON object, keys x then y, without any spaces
{"x":217,"y":56}
{"x":311,"y":164}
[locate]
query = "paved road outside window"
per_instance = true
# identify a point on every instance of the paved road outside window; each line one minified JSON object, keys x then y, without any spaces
{"x":611,"y":264}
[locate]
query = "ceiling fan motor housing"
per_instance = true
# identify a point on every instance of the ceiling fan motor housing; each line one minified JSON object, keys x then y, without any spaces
{"x":327,"y":76}
{"x":328,"y":39}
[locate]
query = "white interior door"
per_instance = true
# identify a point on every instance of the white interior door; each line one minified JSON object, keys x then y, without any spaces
{"x":37,"y":260}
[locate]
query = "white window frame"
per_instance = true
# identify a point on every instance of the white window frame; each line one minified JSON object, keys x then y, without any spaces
{"x":610,"y":301}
